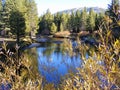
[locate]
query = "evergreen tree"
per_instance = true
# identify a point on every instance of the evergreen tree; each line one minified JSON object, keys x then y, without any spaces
{"x":113,"y":11}
{"x":11,"y":8}
{"x":61,"y":27}
{"x":53,"y":28}
{"x":17,"y":24}
{"x":57,"y":20}
{"x":99,"y":20}
{"x":84,"y":19}
{"x":64,"y":20}
{"x":71,"y":22}
{"x":4,"y":18}
{"x":16,"y":5}
{"x":114,"y":14}
{"x":0,"y":15}
{"x":42,"y":24}
{"x":45,"y":22}
{"x":67,"y":21}
{"x":28,"y":9}
{"x":77,"y":21}
{"x":91,"y":21}
{"x":31,"y":16}
{"x":0,"y":5}
{"x":49,"y":19}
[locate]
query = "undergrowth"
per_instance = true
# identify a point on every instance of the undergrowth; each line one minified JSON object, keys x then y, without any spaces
{"x":100,"y":71}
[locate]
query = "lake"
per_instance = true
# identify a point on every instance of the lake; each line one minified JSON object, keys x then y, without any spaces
{"x":55,"y":59}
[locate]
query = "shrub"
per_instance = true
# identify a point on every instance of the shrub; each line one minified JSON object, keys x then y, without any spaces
{"x":101,"y":70}
{"x":15,"y":71}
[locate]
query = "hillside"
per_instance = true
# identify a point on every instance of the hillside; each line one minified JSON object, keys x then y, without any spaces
{"x":96,"y":9}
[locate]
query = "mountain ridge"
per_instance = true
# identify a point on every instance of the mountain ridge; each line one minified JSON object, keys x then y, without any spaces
{"x":95,"y":9}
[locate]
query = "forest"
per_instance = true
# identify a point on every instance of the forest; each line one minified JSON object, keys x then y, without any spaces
{"x":95,"y":34}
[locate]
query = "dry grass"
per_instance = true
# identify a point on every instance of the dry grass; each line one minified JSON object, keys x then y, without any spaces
{"x":100,"y":71}
{"x":16,"y":73}
{"x":62,"y":34}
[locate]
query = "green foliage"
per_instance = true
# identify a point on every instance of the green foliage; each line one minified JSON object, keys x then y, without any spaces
{"x":74,"y":22}
{"x":91,"y":21}
{"x":4,"y":19}
{"x":57,"y":20}
{"x":28,"y":10}
{"x":99,"y":19}
{"x":45,"y":22}
{"x":77,"y":21}
{"x":71,"y":22}
{"x":31,"y":16}
{"x":64,"y":20}
{"x":0,"y":5}
{"x":53,"y":28}
{"x":61,"y":27}
{"x":113,"y":11}
{"x":17,"y":23}
{"x":83,"y":19}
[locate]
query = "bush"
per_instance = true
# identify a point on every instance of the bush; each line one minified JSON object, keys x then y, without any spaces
{"x":101,"y":70}
{"x":16,"y":71}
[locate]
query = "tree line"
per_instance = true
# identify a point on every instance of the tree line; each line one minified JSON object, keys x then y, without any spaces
{"x":80,"y":20}
{"x":21,"y":18}
{"x":74,"y":22}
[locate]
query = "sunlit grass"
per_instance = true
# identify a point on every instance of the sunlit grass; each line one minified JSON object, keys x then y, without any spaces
{"x":17,"y":73}
{"x":101,"y":70}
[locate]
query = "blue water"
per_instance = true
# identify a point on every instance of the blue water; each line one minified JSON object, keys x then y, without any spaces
{"x":54,"y":64}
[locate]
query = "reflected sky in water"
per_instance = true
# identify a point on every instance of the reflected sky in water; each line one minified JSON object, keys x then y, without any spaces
{"x":53,"y":62}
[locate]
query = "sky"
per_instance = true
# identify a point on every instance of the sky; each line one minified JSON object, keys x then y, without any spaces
{"x":59,"y":5}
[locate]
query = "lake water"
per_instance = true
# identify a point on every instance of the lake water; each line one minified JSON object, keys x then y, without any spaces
{"x":56,"y":60}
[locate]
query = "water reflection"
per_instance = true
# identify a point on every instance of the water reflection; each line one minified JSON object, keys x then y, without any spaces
{"x":56,"y":60}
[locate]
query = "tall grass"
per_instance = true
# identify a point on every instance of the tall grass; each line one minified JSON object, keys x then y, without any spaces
{"x":100,"y":71}
{"x":17,"y":74}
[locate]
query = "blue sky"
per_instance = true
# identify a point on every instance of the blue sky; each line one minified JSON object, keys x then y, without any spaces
{"x":59,"y":5}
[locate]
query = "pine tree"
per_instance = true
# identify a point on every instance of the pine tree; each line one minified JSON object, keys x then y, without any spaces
{"x":28,"y":9}
{"x":99,"y":20}
{"x":71,"y":22}
{"x":49,"y":19}
{"x":42,"y":25}
{"x":67,"y":21}
{"x":17,"y":24}
{"x":57,"y":20}
{"x":45,"y":22}
{"x":64,"y":20}
{"x":61,"y":27}
{"x":113,"y":10}
{"x":0,"y":15}
{"x":16,"y":10}
{"x":0,"y":5}
{"x":31,"y":16}
{"x":114,"y":14}
{"x":83,"y":19}
{"x":77,"y":21}
{"x":91,"y":21}
{"x":4,"y":19}
{"x":53,"y":28}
